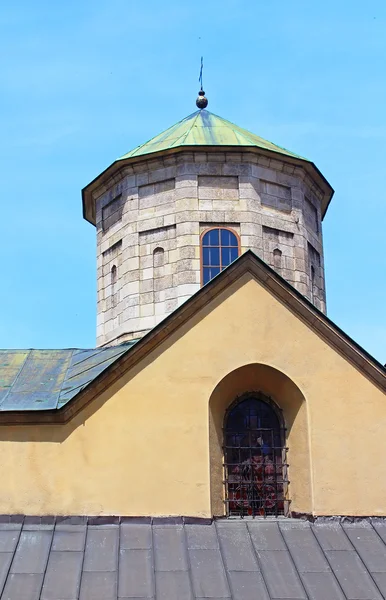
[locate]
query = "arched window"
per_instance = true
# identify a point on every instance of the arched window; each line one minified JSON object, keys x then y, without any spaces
{"x":277,"y":254}
{"x":219,"y":247}
{"x":158,"y":257}
{"x":254,"y":458}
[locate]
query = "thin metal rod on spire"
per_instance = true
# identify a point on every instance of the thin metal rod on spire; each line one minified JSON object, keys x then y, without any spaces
{"x":200,"y":77}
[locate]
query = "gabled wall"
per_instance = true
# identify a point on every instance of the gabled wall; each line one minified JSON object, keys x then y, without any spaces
{"x":145,"y":446}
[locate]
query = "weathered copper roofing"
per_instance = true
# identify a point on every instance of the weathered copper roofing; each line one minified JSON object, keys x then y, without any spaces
{"x":203,"y":128}
{"x":48,"y":379}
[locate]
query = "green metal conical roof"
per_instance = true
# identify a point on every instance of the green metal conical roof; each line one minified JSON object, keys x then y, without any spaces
{"x":203,"y":128}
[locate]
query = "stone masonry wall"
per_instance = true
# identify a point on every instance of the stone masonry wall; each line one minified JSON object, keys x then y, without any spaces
{"x":150,"y":217}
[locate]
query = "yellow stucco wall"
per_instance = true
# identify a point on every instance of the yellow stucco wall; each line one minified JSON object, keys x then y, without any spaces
{"x":147,"y":446}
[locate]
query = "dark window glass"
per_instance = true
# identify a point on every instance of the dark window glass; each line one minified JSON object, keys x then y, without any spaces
{"x":219,"y":248}
{"x":211,"y":256}
{"x":255,"y":459}
{"x":211,"y":238}
{"x":210,"y":272}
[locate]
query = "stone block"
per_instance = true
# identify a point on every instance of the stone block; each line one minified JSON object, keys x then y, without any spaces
{"x":188,"y":228}
{"x":130,"y":288}
{"x":186,"y":204}
{"x":209,"y":168}
{"x":187,"y":264}
{"x":186,"y":277}
{"x":132,"y":300}
{"x":170,"y":293}
{"x":146,"y":310}
{"x":131,"y":312}
{"x":201,"y":157}
{"x":187,"y":180}
{"x":276,"y":164}
{"x":187,"y":290}
{"x":216,"y":157}
{"x":186,"y":216}
{"x":147,"y":273}
{"x":225,"y":205}
{"x":146,"y":285}
{"x":187,"y":252}
{"x":147,"y":224}
{"x":171,"y":305}
{"x":163,"y":282}
{"x":187,"y":168}
{"x":233,"y":157}
{"x":169,"y":220}
{"x":162,"y":175}
{"x":188,"y":240}
{"x":250,"y":229}
{"x":160,"y":308}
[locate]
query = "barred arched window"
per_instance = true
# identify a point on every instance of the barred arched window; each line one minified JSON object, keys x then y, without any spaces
{"x":254,"y":458}
{"x":219,"y":247}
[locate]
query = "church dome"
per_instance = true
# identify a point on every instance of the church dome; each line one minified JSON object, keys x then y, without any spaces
{"x":203,"y":128}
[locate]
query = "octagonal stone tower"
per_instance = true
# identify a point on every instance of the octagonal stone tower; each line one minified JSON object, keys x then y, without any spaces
{"x":152,"y":207}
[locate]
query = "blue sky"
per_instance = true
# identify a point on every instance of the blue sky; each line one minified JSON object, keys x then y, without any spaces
{"x":84,"y":82}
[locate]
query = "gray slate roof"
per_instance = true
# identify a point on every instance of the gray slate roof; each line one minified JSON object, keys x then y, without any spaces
{"x":76,"y":559}
{"x":48,"y":379}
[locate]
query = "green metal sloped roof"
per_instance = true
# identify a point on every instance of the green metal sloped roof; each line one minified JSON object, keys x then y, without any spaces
{"x":49,"y":379}
{"x":203,"y":128}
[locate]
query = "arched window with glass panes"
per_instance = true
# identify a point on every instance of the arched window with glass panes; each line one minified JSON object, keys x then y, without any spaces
{"x":219,"y":247}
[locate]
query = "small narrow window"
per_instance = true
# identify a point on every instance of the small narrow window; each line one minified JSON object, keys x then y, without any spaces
{"x":158,"y":257}
{"x":277,"y":259}
{"x":312,"y":286}
{"x":113,"y":281}
{"x":219,"y":248}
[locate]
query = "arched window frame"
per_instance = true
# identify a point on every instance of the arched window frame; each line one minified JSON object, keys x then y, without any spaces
{"x":203,"y":233}
{"x":283,"y":439}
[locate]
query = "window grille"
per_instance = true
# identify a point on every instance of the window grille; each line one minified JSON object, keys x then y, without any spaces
{"x":255,"y":458}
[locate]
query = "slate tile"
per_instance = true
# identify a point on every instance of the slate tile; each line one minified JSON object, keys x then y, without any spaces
{"x":23,"y":586}
{"x":236,"y":547}
{"x":32,"y":552}
{"x":247,"y":585}
{"x":135,"y":537}
{"x":135,"y":573}
{"x":331,"y":536}
{"x":101,"y":553}
{"x":369,"y":546}
{"x":5,"y":561}
{"x":304,"y":548}
{"x":266,"y":536}
{"x":65,"y":541}
{"x":169,"y":548}
{"x":62,"y":578}
{"x":280,"y":575}
{"x":352,"y":575}
{"x":380,"y":580}
{"x":98,"y":586}
{"x":202,"y":536}
{"x":380,"y":528}
{"x":8,"y":540}
{"x":208,"y":574}
{"x":173,"y":585}
{"x":322,"y":586}
{"x":10,"y":526}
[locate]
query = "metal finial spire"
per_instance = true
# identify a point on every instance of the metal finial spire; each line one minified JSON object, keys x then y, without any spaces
{"x":202,"y":101}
